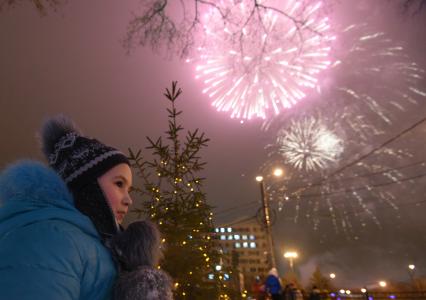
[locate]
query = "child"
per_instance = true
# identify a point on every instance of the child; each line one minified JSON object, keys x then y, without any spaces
{"x":52,"y":241}
{"x":98,"y":176}
{"x":138,"y":251}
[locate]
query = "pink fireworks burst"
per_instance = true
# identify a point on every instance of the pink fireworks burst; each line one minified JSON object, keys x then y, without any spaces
{"x":265,"y":58}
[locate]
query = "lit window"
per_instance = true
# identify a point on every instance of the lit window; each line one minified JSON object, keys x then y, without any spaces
{"x":229,"y":229}
{"x":226,"y":276}
{"x":252,"y":237}
{"x":236,"y":236}
{"x":252,"y":245}
{"x":223,"y":237}
{"x":244,"y":237}
{"x":230,"y":237}
{"x":211,"y":276}
{"x":222,"y":230}
{"x":245,"y":245}
{"x":237,"y":245}
{"x":216,"y":229}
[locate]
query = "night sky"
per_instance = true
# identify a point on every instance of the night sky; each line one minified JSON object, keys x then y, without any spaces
{"x":72,"y":61}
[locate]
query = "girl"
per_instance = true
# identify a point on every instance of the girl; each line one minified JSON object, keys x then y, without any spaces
{"x":53,"y":241}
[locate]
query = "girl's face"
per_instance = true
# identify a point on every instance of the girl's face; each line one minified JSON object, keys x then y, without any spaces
{"x":116,"y":185}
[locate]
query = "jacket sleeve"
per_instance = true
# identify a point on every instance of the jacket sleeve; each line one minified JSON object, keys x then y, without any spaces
{"x":40,"y":261}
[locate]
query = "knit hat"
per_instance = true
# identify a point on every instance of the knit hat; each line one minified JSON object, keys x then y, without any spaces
{"x":80,"y":161}
{"x":76,"y":158}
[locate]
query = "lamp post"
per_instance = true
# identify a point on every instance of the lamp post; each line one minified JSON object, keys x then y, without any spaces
{"x":365,"y":292}
{"x":267,"y":217}
{"x":411,"y":269}
{"x":291,"y":255}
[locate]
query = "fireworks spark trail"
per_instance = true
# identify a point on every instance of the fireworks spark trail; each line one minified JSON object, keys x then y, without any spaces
{"x":264,"y":61}
{"x":365,"y":94}
{"x":374,"y":76}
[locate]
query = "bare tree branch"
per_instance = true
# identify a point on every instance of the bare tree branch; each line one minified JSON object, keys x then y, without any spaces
{"x":413,"y":6}
{"x":41,"y":5}
{"x":160,"y":27}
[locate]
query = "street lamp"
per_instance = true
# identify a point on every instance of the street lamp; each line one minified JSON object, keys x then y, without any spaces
{"x":332,"y":275}
{"x":382,"y":283}
{"x":291,"y":255}
{"x":266,"y":215}
{"x":411,"y":269}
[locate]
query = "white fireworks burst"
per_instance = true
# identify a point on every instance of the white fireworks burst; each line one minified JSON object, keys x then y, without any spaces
{"x":308,"y":144}
{"x":265,"y":60}
{"x":369,"y":93}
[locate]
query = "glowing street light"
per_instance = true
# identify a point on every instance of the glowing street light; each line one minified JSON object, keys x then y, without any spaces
{"x":382,"y":283}
{"x":411,"y":267}
{"x":332,"y":275}
{"x":291,"y":254}
{"x":363,"y":290}
{"x":278,"y":172}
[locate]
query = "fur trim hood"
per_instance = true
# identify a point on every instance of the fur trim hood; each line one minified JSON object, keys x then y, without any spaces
{"x":31,"y":192}
{"x":146,"y":283}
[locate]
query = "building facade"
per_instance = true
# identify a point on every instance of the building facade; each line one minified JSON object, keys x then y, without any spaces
{"x":244,"y":248}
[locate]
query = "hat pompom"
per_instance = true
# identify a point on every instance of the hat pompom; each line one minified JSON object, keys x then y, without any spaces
{"x":53,"y":129}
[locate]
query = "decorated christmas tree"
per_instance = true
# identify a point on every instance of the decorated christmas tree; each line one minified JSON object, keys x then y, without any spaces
{"x":173,"y":197}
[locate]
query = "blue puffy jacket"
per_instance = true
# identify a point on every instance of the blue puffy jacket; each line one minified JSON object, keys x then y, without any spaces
{"x":48,"y":249}
{"x":272,"y":285}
